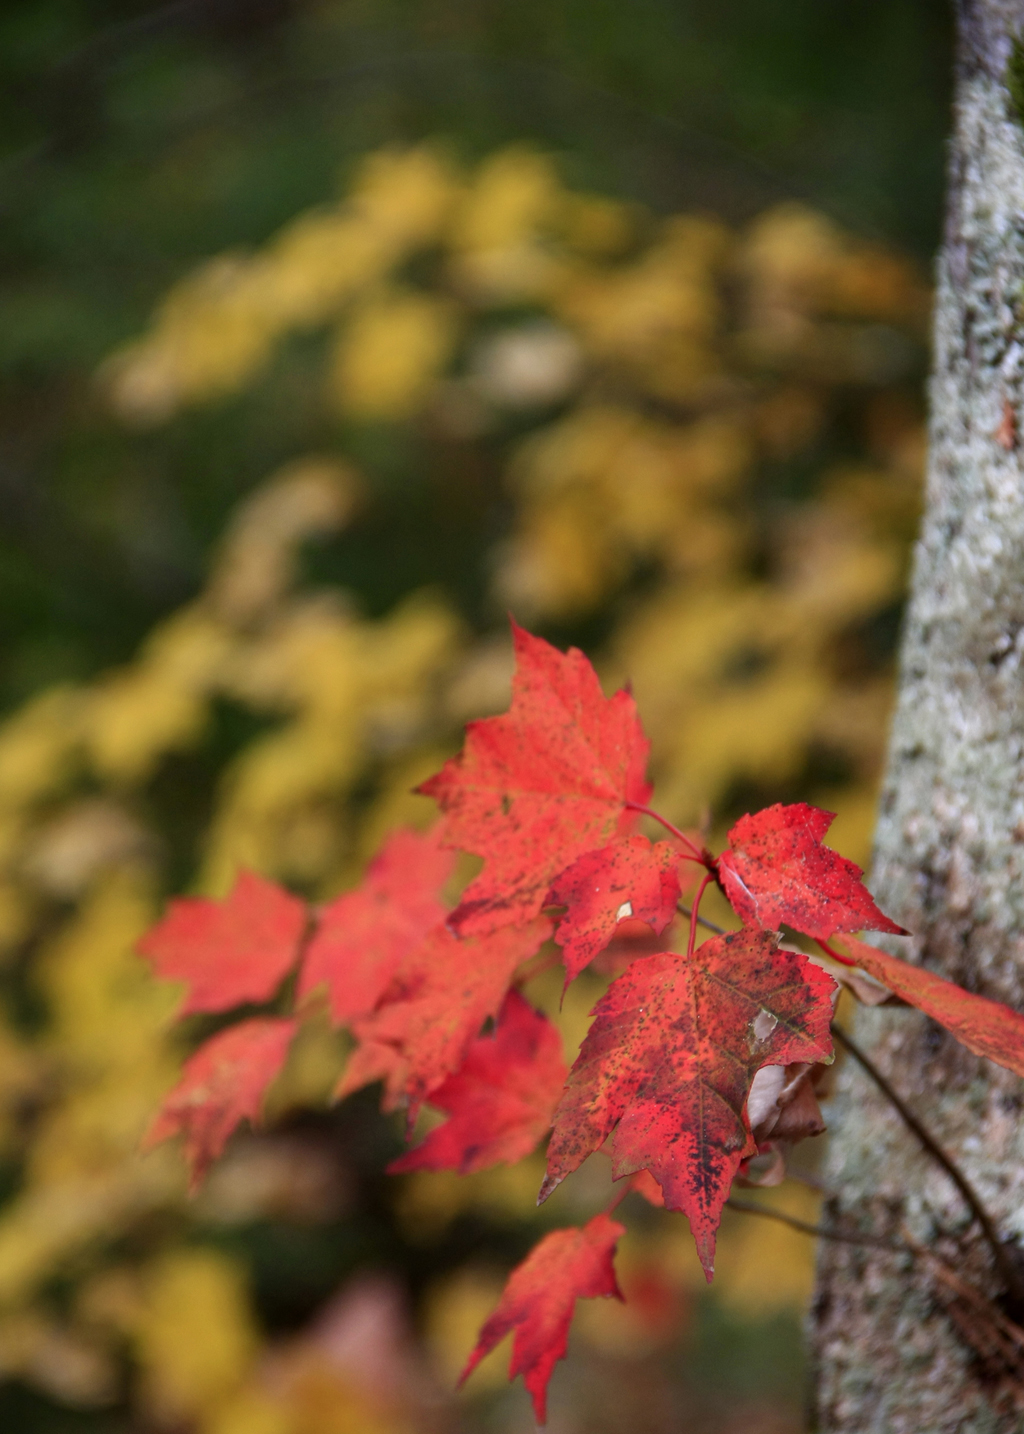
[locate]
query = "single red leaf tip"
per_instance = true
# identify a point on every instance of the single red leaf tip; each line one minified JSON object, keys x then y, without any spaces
{"x":539,"y":1299}
{"x":668,"y":1061}
{"x":986,"y":1027}
{"x":222,"y":1084}
{"x":500,"y":1101}
{"x":534,"y":789}
{"x":776,"y":871}
{"x":230,"y":951}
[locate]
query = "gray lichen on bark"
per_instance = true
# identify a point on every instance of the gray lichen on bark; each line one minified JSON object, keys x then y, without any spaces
{"x":949,"y":860}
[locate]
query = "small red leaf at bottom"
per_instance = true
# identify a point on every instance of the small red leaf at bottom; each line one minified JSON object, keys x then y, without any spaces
{"x":539,"y":1299}
{"x":222,"y":1084}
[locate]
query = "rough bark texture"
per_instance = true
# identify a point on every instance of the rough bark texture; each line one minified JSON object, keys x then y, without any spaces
{"x":950,"y":845}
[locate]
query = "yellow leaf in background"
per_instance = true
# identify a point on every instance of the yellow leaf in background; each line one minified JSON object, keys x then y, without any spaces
{"x":322,"y":1400}
{"x":272,"y":781}
{"x":194,"y":1339}
{"x":136,"y":718}
{"x":856,"y":810}
{"x":250,"y":1411}
{"x":48,"y":1225}
{"x":318,"y":262}
{"x":762,"y":1265}
{"x":390,"y":353}
{"x":857,"y":721}
{"x":429,"y":1202}
{"x":105,"y":1005}
{"x":789,"y":256}
{"x":667,"y":294}
{"x":758,"y":731}
{"x":513,"y":194}
{"x":598,"y":227}
{"x":398,"y":804}
{"x":408,"y":194}
{"x":256,"y":562}
{"x":499,"y":233}
{"x":315,"y":1061}
{"x":137,"y":715}
{"x":38,"y":747}
{"x":560,"y":563}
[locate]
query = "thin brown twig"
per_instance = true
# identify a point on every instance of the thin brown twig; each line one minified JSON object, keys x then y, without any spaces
{"x":1005,"y":1337}
{"x":1004,"y":1264}
{"x":822,"y":1232}
{"x":687,"y":911}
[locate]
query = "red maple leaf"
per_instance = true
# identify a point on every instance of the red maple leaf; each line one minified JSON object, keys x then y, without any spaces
{"x":501,"y":1099}
{"x":539,"y":1299}
{"x":536,"y":788}
{"x":222,"y":1084}
{"x":363,"y":934}
{"x":777,"y":872}
{"x":440,"y":997}
{"x":988,"y":1028}
{"x":230,"y":951}
{"x":670,"y":1057}
{"x":628,"y":879}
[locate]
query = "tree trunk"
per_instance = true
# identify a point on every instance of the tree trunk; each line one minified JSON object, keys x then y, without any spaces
{"x":949,"y":860}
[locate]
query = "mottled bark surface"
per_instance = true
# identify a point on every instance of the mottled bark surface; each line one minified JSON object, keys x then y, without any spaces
{"x":950,"y":845}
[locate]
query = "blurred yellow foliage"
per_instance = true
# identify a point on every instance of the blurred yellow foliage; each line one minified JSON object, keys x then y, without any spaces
{"x":707,"y":444}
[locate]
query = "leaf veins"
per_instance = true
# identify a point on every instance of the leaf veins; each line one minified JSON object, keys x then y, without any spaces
{"x":668,"y":1062}
{"x":536,"y":788}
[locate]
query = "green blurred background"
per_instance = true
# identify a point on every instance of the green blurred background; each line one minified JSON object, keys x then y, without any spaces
{"x":137,"y":140}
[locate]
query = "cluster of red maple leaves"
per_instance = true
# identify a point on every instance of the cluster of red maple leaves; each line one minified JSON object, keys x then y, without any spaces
{"x":550,"y":794}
